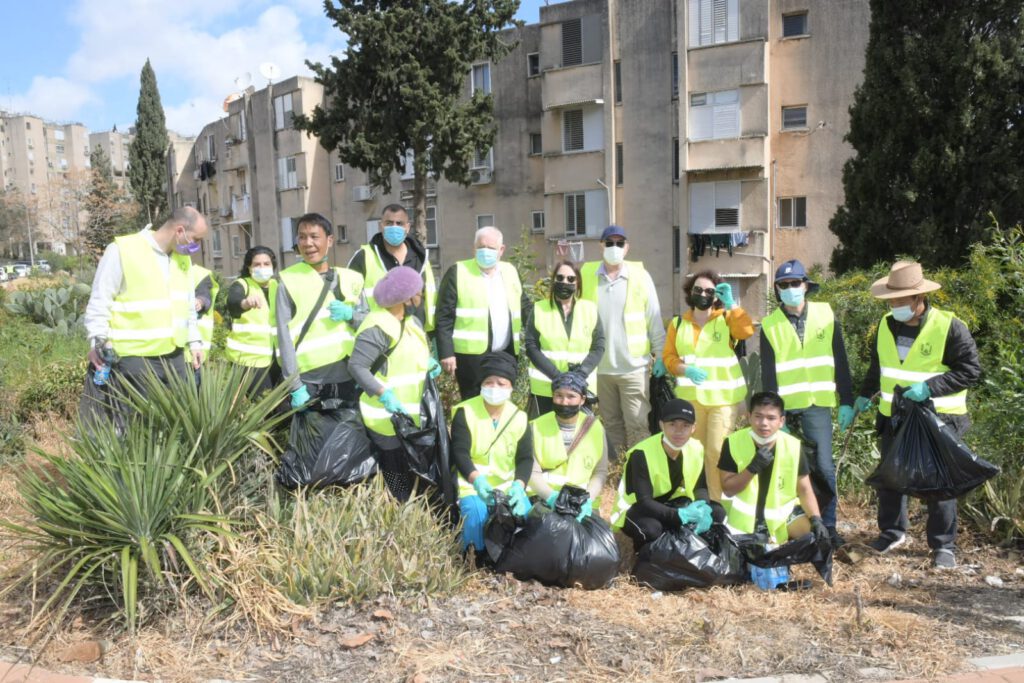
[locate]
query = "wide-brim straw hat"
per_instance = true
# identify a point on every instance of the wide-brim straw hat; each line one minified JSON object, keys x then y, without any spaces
{"x":905,"y":278}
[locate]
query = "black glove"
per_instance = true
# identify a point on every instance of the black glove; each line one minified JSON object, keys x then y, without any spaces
{"x":821,"y":535}
{"x":762,"y":460}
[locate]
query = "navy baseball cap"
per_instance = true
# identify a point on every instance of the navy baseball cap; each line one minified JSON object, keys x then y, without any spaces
{"x":794,"y":270}
{"x":613,"y":231}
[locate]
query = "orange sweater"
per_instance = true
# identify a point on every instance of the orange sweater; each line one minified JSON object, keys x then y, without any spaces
{"x":741,"y":326}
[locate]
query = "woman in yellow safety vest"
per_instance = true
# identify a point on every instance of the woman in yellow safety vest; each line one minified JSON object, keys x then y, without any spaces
{"x":250,"y":304}
{"x":389,"y":362}
{"x":699,"y":353}
{"x":569,"y":446}
{"x":563,"y":334}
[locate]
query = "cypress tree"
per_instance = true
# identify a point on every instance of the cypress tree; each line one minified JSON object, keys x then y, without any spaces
{"x":148,"y":151}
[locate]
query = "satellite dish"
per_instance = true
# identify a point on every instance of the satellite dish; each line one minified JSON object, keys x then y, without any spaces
{"x":231,"y":98}
{"x":269,"y":70}
{"x":243,"y":81}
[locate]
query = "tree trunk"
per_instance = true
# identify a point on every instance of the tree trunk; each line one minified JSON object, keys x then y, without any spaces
{"x":420,"y":201}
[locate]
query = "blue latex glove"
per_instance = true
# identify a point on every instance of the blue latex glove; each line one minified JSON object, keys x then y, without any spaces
{"x":474,"y":515}
{"x":659,"y":369}
{"x":300,"y":397}
{"x":484,"y":489}
{"x":703,"y":522}
{"x":517,"y":496}
{"x":689,"y":514}
{"x":724,"y":292}
{"x":846,"y":416}
{"x":862,"y":404}
{"x":695,"y":374}
{"x":918,"y":392}
{"x":434,"y":368}
{"x":586,"y":510}
{"x":391,"y":402}
{"x":340,"y":311}
{"x":550,"y":502}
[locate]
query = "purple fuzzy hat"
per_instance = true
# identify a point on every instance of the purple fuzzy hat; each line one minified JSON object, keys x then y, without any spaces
{"x":400,"y":284}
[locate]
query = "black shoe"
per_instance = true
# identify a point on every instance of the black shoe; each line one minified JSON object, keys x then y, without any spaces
{"x":943,"y":558}
{"x":837,"y":540}
{"x":795,"y":586}
{"x":884,"y":543}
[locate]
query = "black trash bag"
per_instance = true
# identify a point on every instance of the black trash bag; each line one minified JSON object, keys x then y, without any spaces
{"x":680,"y":559}
{"x":662,"y":390}
{"x":927,"y":459}
{"x":327,"y":448}
{"x":795,"y":551}
{"x":550,"y":546}
{"x":426,"y":447}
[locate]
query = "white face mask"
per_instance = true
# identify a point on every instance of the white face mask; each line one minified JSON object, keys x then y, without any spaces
{"x":613,"y":256}
{"x":903,"y":313}
{"x":495,"y":396}
{"x":262,"y":274}
{"x":763,"y":440}
{"x":665,"y":440}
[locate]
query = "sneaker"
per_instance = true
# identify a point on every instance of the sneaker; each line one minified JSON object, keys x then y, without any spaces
{"x":884,"y":543}
{"x":943,"y":559}
{"x":837,"y":540}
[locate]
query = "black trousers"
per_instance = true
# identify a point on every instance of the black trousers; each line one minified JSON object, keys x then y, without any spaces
{"x":643,"y":529}
{"x":99,"y":402}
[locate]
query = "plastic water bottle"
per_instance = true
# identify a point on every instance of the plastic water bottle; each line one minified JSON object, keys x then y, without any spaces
{"x":768,"y":578}
{"x":102,"y":375}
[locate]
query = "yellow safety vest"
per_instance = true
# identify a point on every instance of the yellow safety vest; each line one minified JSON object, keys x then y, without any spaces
{"x":493,"y":456}
{"x":253,"y":335}
{"x":724,"y":385}
{"x":634,"y":316}
{"x":562,"y":349}
{"x":150,"y":317}
{"x":923,"y":362}
{"x":806,"y":372}
{"x":782,"y":497}
{"x":472,"y":310}
{"x":375,"y":271}
{"x":327,"y":341}
{"x":657,"y":469}
{"x":560,"y":468}
{"x":404,"y":371}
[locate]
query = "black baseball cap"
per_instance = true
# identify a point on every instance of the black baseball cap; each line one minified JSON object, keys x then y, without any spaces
{"x":678,"y":409}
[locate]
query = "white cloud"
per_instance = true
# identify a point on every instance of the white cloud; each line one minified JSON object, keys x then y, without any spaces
{"x":53,"y":98}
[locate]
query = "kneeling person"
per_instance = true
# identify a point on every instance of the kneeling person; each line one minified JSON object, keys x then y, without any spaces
{"x":764,"y":475}
{"x":663,"y":484}
{"x":569,"y":447}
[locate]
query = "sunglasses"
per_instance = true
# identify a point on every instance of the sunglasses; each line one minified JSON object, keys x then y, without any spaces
{"x":710,"y":291}
{"x":571,"y":279}
{"x":615,"y":243}
{"x":789,"y":284}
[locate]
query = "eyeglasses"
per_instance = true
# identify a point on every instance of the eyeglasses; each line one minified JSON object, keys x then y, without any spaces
{"x":615,"y":243}
{"x":565,"y":278}
{"x":789,"y":284}
{"x":710,"y":291}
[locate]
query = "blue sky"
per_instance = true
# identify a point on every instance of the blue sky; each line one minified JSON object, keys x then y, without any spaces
{"x":79,"y":60}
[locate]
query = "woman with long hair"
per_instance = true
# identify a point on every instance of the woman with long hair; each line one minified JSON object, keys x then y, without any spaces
{"x":251,"y":342}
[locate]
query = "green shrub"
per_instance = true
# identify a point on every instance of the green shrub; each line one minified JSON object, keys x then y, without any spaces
{"x":28,"y":349}
{"x":54,"y":388}
{"x":58,"y":309}
{"x":12,"y":445}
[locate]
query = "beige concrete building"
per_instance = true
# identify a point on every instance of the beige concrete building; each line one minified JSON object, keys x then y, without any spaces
{"x":115,"y":144}
{"x":712,"y":130}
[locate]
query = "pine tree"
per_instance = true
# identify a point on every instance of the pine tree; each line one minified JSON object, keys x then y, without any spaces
{"x":937,"y":128}
{"x":148,"y":151}
{"x":401,"y":88}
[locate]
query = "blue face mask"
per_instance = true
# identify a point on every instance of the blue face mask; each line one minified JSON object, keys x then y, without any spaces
{"x":394,"y":234}
{"x":486,"y":258}
{"x":903,"y":313}
{"x":792,"y":296}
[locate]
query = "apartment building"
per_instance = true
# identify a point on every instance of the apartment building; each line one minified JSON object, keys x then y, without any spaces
{"x":115,"y":144}
{"x":712,"y":130}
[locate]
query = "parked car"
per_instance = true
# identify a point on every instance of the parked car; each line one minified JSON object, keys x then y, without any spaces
{"x":22,"y":268}
{"x":43,"y":265}
{"x":3,"y":274}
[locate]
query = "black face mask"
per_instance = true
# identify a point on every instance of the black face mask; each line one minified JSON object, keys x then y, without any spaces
{"x":701,"y":301}
{"x":566,"y":411}
{"x":564,"y":290}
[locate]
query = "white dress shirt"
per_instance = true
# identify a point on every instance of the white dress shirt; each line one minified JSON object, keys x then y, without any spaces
{"x":501,"y":317}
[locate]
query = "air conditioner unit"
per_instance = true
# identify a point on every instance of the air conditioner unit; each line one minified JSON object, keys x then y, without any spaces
{"x":362,"y":193}
{"x":481,"y":176}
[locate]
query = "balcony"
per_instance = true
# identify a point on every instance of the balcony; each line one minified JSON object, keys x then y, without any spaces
{"x":575,"y":85}
{"x":568,"y":172}
{"x":710,"y":155}
{"x":241,"y":209}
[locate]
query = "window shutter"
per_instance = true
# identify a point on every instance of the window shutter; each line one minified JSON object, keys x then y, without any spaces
{"x":572,"y":42}
{"x":282,"y":173}
{"x":693,"y":23}
{"x":727,"y":205}
{"x":732,"y":20}
{"x":719,"y":20}
{"x":701,"y":122}
{"x":786,"y":213}
{"x":707,"y":31}
{"x":702,"y":208}
{"x":573,"y":129}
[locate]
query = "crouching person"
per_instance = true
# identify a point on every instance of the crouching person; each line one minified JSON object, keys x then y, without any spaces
{"x":663,"y":483}
{"x":569,"y":447}
{"x":492,"y":448}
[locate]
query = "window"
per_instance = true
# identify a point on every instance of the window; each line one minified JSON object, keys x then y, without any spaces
{"x":58,"y":135}
{"x":482,"y":158}
{"x":342,"y":231}
{"x":536,"y":146}
{"x":60,"y":149}
{"x":211,"y":148}
{"x":484,"y":220}
{"x":236,"y":246}
{"x":64,"y":164}
{"x":216,"y":242}
{"x":714,"y":21}
{"x":288,"y":233}
{"x":339,"y":172}
{"x":675,"y":74}
{"x":572,"y":130}
{"x":287,"y":175}
{"x":575,"y":214}
{"x":431,"y":221}
{"x":794,"y":118}
{"x":28,"y":125}
{"x":581,"y":40}
{"x":714,"y":207}
{"x":794,"y":25}
{"x":538,"y":221}
{"x":482,"y":78}
{"x":714,"y":115}
{"x":675,"y":158}
{"x":619,"y":167}
{"x":283,"y":111}
{"x":242,"y":130}
{"x":533,"y":64}
{"x":793,"y":212}
{"x":618,"y":82}
{"x":677,"y":258}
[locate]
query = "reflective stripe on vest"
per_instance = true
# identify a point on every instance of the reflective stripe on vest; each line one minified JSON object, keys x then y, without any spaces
{"x":404,"y":371}
{"x":657,"y":468}
{"x":634,"y":315}
{"x":492,"y":458}
{"x":559,"y":468}
{"x":327,"y":341}
{"x":150,"y":317}
{"x":782,"y":494}
{"x":806,"y":372}
{"x":724,"y":385}
{"x":251,"y":340}
{"x":922,"y":363}
{"x":559,"y":348}
{"x":205,"y":322}
{"x":375,"y":271}
{"x":472,"y":311}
